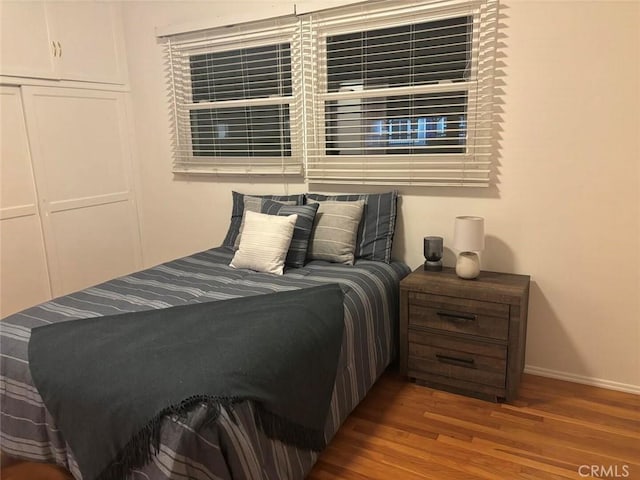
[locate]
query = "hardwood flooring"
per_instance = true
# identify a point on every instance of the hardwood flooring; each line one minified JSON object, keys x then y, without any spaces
{"x":555,"y":430}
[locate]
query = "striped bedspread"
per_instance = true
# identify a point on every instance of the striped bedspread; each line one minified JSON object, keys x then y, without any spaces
{"x":231,"y":448}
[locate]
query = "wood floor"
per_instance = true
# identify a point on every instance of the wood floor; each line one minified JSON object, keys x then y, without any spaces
{"x":555,"y":430}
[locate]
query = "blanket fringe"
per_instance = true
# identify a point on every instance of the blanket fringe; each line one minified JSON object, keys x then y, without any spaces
{"x":146,"y":443}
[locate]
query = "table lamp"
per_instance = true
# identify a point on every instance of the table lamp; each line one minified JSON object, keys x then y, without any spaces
{"x":433,"y":253}
{"x":468,"y":238}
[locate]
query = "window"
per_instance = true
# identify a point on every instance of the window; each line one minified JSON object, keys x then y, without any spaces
{"x":405,"y":56}
{"x":388,"y":92}
{"x":401,"y":93}
{"x":234,"y":100}
{"x":241,"y":131}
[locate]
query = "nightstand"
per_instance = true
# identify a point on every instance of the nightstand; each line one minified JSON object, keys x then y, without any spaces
{"x":464,"y":336}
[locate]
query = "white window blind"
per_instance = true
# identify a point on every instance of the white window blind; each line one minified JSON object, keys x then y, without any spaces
{"x":235,"y":100}
{"x":400,"y":93}
{"x":389,"y":92}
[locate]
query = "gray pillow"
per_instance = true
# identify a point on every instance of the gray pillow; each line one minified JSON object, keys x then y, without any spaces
{"x":254,"y":204}
{"x":335,"y":230}
{"x":375,"y":236}
{"x":238,"y":209}
{"x":297,"y":253}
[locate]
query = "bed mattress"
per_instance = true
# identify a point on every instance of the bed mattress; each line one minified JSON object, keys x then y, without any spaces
{"x":233,"y":447}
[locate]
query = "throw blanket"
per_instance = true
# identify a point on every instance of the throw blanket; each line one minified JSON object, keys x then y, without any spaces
{"x":108,"y":381}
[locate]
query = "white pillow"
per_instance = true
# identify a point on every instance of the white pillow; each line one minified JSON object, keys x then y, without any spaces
{"x":264,"y":243}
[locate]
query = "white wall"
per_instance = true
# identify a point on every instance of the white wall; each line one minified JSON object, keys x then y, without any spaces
{"x":566,"y":208}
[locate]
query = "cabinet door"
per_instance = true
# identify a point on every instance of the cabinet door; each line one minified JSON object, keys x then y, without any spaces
{"x":26,"y":48}
{"x":24,"y":279}
{"x":82,"y":164}
{"x":91,"y":37}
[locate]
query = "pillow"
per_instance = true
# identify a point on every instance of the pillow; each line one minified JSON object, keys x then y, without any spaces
{"x":264,"y":243}
{"x":253,"y":204}
{"x":375,"y":235}
{"x":238,"y":209}
{"x":335,"y":230}
{"x":302,"y":232}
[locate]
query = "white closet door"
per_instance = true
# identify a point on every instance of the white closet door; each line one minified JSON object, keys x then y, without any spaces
{"x":25,"y":41}
{"x":82,"y":164}
{"x":91,"y":40}
{"x":24,"y":280}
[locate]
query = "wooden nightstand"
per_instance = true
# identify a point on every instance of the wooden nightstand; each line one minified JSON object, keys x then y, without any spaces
{"x":464,"y":336}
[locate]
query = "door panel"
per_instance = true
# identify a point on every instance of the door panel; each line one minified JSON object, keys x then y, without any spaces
{"x":94,"y":244}
{"x":81,"y":150}
{"x":18,"y":188}
{"x":25,"y":51}
{"x":81,"y":157}
{"x":24,"y":279}
{"x":91,"y":39}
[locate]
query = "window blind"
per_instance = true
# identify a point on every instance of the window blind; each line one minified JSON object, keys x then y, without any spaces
{"x":384,"y":92}
{"x":235,"y":101}
{"x":400,"y":93}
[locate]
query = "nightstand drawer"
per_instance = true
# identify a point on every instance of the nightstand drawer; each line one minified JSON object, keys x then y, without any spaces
{"x":465,"y":360}
{"x":458,"y":318}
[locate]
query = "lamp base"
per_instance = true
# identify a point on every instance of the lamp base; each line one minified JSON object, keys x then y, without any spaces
{"x":468,"y":265}
{"x":430,"y":266}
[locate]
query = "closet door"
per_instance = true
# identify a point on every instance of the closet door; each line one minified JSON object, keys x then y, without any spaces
{"x":91,"y":41}
{"x":26,"y":51}
{"x":82,"y":164}
{"x":24,"y":280}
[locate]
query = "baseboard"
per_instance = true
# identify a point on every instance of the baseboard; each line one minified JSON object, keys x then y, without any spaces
{"x":570,"y":377}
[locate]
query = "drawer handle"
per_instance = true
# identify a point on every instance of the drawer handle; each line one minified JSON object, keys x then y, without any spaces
{"x":459,"y":362}
{"x":457,"y":317}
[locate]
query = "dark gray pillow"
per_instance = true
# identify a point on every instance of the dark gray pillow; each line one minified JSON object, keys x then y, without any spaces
{"x":302,"y":231}
{"x":253,"y":204}
{"x":375,"y":234}
{"x":238,"y":209}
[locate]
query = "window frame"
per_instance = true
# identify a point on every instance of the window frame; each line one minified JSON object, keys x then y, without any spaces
{"x":471,"y":168}
{"x":307,"y":34}
{"x":178,"y":50}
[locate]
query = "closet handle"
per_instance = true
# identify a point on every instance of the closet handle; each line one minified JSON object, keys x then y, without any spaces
{"x":60,"y":49}
{"x":55,"y":49}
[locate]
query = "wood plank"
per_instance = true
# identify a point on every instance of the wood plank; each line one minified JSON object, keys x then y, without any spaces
{"x":551,"y":429}
{"x":487,"y":287}
{"x":402,"y":431}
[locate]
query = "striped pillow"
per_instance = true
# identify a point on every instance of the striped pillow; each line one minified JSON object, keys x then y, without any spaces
{"x":302,"y":232}
{"x":375,"y":235}
{"x":334,"y":231}
{"x":264,"y":243}
{"x":254,"y":204}
{"x":238,"y":209}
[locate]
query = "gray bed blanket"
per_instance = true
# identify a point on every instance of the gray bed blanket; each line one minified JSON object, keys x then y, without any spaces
{"x":109,"y":381}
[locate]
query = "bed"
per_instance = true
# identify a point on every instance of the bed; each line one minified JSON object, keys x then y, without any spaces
{"x":232,"y":447}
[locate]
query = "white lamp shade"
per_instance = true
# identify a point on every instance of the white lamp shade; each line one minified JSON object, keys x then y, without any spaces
{"x":468,"y":234}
